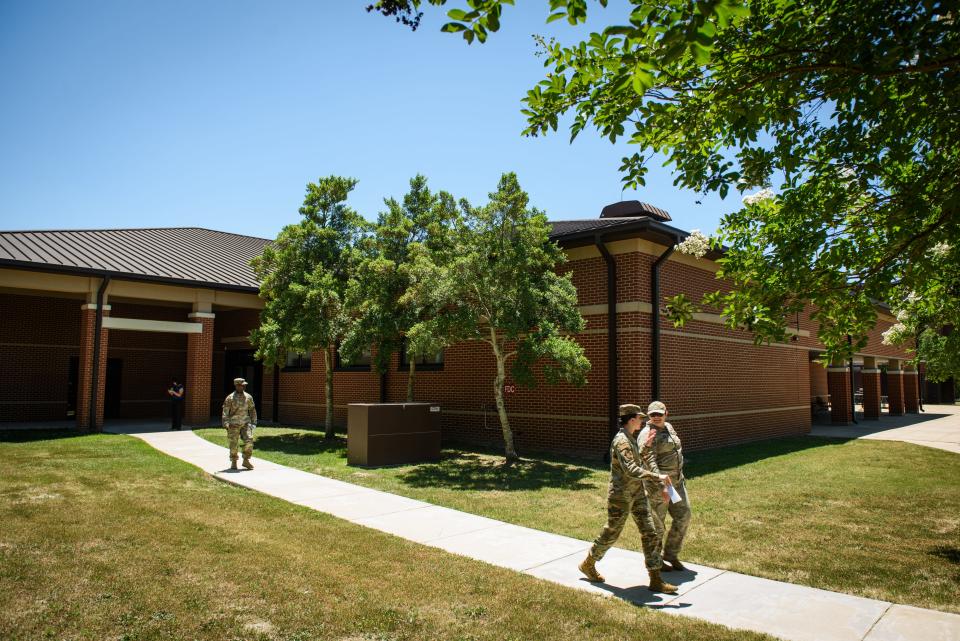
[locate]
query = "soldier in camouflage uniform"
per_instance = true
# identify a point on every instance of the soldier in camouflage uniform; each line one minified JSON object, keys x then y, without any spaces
{"x":662,"y":454}
{"x":626,"y":497}
{"x":240,"y":419}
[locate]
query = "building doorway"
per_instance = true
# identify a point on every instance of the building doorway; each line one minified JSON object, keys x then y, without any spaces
{"x":112,"y":388}
{"x":242,"y":363}
{"x":111,"y":391}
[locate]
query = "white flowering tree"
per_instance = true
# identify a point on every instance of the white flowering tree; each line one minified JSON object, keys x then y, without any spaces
{"x":848,"y":109}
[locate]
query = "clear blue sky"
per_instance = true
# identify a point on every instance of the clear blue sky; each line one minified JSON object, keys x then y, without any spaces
{"x":125,"y":113}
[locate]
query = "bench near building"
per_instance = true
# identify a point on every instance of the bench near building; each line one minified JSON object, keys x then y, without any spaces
{"x":148,"y":304}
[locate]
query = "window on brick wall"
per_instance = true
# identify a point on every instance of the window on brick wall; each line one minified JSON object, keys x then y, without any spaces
{"x":297,"y":362}
{"x":424,"y":362}
{"x":359,"y":364}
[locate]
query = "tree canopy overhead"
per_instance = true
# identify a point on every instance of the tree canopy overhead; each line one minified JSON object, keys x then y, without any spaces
{"x":841,"y":118}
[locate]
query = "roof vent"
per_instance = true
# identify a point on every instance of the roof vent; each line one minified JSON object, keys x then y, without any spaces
{"x":632,"y":209}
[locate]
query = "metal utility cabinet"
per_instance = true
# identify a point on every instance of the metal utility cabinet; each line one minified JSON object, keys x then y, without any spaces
{"x":392,"y":433}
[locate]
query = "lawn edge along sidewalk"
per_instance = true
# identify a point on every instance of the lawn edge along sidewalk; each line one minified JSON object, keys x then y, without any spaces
{"x":793,"y":612}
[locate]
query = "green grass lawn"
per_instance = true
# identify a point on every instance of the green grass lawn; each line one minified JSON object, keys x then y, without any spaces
{"x":873,"y":518}
{"x":104,"y":538}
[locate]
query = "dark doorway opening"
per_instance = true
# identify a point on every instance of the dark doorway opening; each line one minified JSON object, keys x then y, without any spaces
{"x":73,"y":382}
{"x":112,"y":387}
{"x":243,"y":364}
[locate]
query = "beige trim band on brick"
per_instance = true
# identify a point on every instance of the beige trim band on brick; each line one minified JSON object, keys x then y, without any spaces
{"x":644,"y":307}
{"x":909,"y":371}
{"x":552,"y":417}
{"x":201,"y":315}
{"x":93,"y":307}
{"x":589,"y":419}
{"x":726,"y":339}
{"x":35,"y":345}
{"x":622,"y":308}
{"x":882,"y":358}
{"x":148,"y":349}
{"x":766,"y":410}
{"x":838,"y":369}
{"x":870,"y":371}
{"x":142,"y":325}
{"x":640,"y":246}
{"x":894,"y":371}
{"x":46,"y":283}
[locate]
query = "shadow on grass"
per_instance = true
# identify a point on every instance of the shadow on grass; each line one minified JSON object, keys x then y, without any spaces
{"x":303,"y":444}
{"x":703,"y":462}
{"x":42,"y":434}
{"x":460,"y":470}
{"x":948,"y":553}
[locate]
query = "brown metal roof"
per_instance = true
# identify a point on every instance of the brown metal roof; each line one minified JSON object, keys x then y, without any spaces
{"x":208,"y":258}
{"x":182,"y":255}
{"x":563,"y":228}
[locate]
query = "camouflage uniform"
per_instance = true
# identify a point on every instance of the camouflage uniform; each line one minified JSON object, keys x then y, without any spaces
{"x":239,"y":419}
{"x":626,"y":496}
{"x":665,"y":456}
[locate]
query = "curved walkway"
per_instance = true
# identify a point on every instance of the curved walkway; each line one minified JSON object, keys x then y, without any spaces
{"x":785,"y":610}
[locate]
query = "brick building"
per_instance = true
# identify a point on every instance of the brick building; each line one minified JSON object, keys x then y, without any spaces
{"x":180,"y":302}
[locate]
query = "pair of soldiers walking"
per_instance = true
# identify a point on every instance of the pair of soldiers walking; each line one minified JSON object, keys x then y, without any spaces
{"x":646,"y":461}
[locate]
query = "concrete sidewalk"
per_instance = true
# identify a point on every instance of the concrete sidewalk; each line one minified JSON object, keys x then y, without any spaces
{"x":785,"y":610}
{"x":937,"y":426}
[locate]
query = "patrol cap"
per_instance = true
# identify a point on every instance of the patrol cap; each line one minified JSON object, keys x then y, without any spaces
{"x":239,"y":381}
{"x":630,"y":409}
{"x":656,"y":406}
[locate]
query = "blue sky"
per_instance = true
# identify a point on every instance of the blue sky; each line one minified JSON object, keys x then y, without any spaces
{"x":216,"y":114}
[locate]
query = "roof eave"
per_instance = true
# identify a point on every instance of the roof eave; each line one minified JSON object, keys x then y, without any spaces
{"x":143,"y":278}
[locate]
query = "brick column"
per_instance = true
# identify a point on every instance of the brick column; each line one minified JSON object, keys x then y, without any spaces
{"x":871,"y":388}
{"x":196,"y":410}
{"x":894,"y":388}
{"x":838,"y":382}
{"x":911,"y":392}
{"x":88,"y":325}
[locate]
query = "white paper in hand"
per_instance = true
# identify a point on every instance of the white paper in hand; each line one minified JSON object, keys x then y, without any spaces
{"x":674,"y":495}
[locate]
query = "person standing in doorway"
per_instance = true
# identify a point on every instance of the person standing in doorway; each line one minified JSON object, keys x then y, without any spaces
{"x":662,"y":454}
{"x":175,"y":392}
{"x":240,"y":419}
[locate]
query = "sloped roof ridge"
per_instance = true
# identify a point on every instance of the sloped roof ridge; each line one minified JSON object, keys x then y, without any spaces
{"x":100,"y":230}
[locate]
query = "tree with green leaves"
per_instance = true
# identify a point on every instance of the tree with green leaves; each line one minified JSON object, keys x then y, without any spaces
{"x":381,"y":316}
{"x":303,"y":278}
{"x":840,"y":119}
{"x":498,"y":285}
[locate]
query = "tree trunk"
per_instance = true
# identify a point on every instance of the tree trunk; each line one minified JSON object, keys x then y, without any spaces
{"x":328,"y":420}
{"x":509,"y":450}
{"x":410,"y":376}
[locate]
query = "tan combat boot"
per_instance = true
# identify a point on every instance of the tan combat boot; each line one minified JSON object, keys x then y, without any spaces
{"x":233,"y":464}
{"x":589,"y":569}
{"x":659,"y":585}
{"x":675,"y":563}
{"x":247,"y":464}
